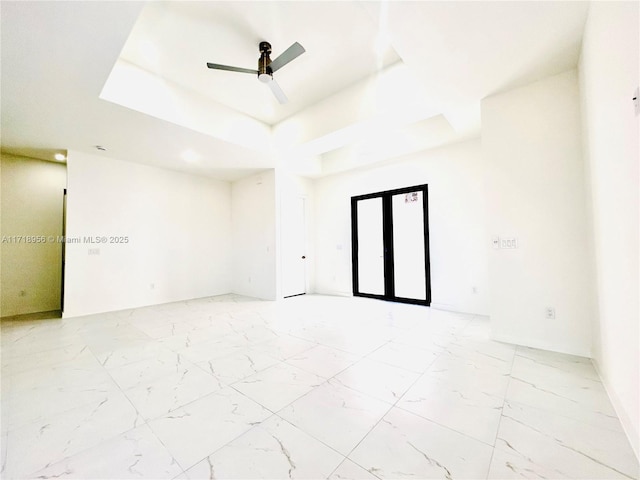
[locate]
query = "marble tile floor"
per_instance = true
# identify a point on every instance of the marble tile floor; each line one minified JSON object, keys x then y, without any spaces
{"x":306,"y":388}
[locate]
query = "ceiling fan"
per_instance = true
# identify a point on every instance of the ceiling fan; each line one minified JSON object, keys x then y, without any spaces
{"x":266,"y":66}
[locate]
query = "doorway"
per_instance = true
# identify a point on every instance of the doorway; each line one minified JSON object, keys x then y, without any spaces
{"x":390,"y":245}
{"x":64,"y":246}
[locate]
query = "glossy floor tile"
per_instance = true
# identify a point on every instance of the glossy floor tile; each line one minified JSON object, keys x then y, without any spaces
{"x":198,"y":429}
{"x":404,"y":445}
{"x":135,"y":454}
{"x":306,"y":388}
{"x":273,"y":449}
{"x":336,"y":415}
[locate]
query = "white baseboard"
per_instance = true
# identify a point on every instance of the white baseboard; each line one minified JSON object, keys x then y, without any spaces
{"x":334,"y":293}
{"x":453,"y":308}
{"x":540,"y":345}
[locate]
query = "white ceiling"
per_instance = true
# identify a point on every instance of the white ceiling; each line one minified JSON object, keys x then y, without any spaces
{"x":174,"y":40}
{"x":367,"y":65}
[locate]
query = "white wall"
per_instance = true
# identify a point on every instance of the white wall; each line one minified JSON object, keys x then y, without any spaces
{"x":608,"y":77}
{"x":178,"y":227}
{"x":32,"y":198}
{"x":253,"y":214}
{"x":531,"y":141}
{"x":456,"y":222}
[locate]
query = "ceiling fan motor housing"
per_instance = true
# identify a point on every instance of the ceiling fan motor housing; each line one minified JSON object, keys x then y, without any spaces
{"x":264,"y":70}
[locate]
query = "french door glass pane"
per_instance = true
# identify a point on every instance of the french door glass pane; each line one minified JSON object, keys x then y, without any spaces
{"x":370,"y":247}
{"x":408,"y":245}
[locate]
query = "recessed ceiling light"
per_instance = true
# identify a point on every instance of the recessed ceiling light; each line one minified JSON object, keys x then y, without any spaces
{"x":60,"y":157}
{"x":190,"y":156}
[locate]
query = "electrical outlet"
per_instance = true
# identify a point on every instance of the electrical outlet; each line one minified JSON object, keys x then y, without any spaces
{"x":94,"y":251}
{"x":495,"y":241}
{"x":550,"y":313}
{"x":152,"y":286}
{"x":474,"y":289}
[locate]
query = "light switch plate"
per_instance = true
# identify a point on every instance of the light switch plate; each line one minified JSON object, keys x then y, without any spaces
{"x":510,"y":242}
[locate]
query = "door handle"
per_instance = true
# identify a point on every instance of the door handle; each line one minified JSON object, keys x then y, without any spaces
{"x":303,"y":257}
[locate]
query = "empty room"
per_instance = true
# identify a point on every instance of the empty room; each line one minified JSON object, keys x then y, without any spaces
{"x":319,"y":240}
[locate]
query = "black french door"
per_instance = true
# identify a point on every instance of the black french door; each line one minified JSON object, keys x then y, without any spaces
{"x":390,"y":245}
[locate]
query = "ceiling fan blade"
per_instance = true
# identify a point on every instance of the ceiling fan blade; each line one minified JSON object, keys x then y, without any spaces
{"x":291,"y":53}
{"x":231,"y":69}
{"x":277,"y":91}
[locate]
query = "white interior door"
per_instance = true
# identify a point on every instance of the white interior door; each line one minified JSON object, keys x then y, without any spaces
{"x":292,"y":242}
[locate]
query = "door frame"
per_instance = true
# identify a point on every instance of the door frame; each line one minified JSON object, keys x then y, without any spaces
{"x":387,"y":233}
